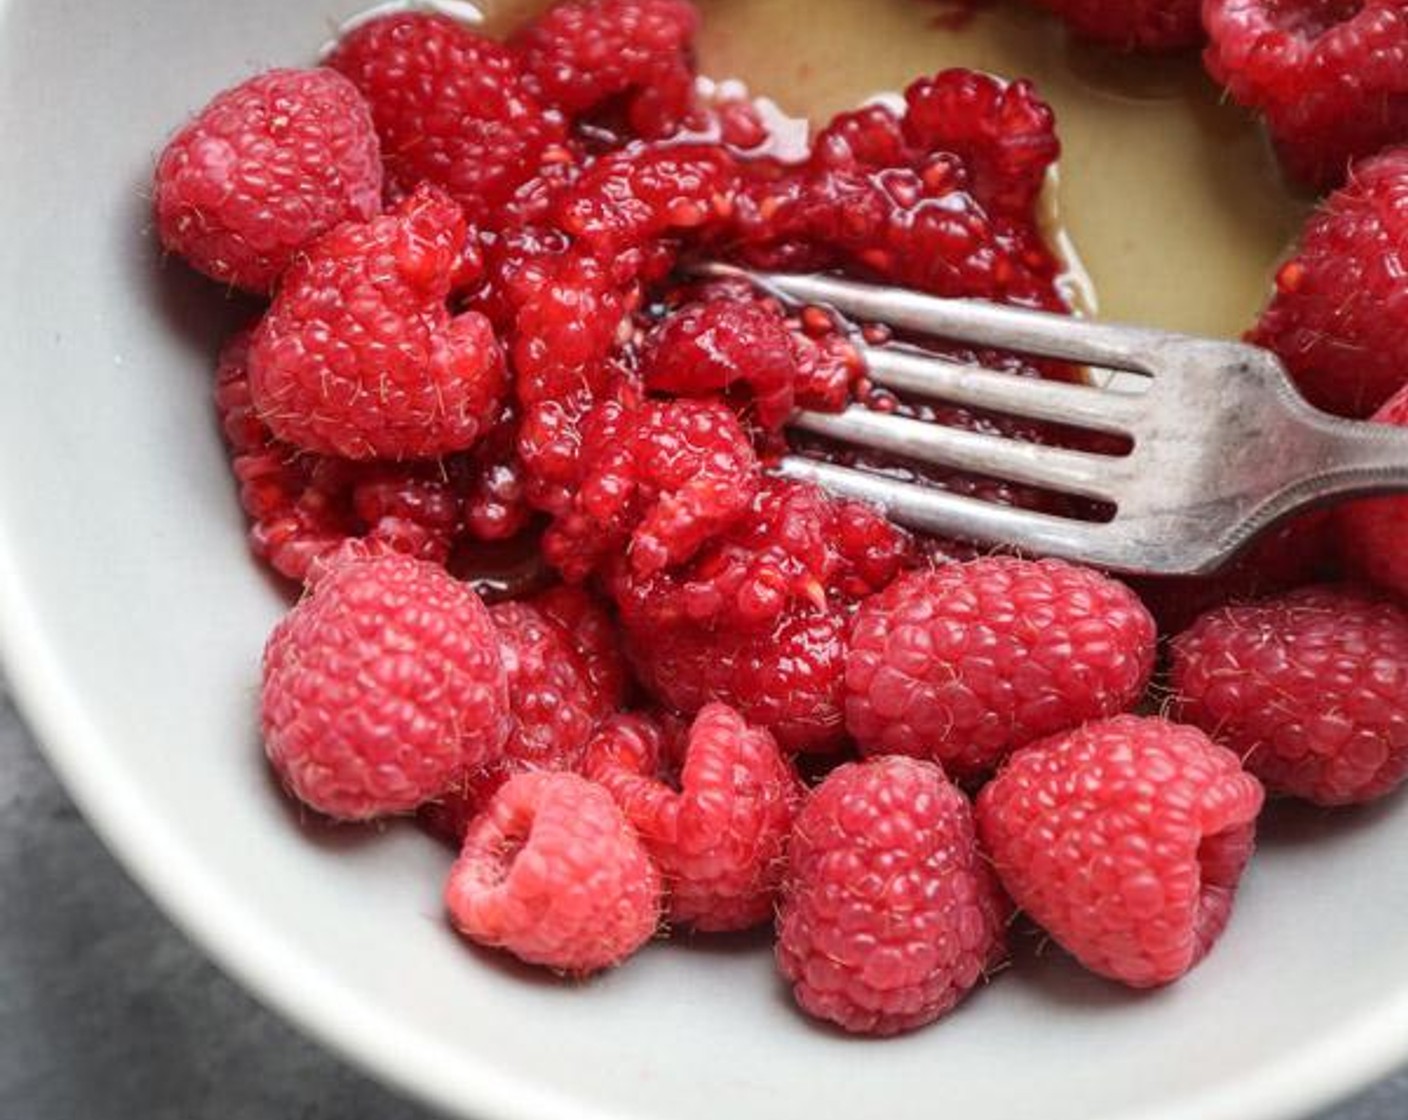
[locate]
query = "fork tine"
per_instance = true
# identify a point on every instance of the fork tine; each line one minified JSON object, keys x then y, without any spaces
{"x":976,"y":322}
{"x":927,"y":375}
{"x":954,"y":515}
{"x":1070,"y":472}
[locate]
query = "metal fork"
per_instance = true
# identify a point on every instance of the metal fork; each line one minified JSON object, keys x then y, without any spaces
{"x":1223,"y":446}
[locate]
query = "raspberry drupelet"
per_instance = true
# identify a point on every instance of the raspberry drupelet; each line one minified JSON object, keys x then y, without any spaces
{"x":889,"y":913}
{"x":1311,"y":689}
{"x":966,"y":662}
{"x":451,"y":108}
{"x":1329,"y":76}
{"x":382,"y":687}
{"x":552,"y":872}
{"x":718,"y":832}
{"x":263,"y":170}
{"x":359,"y":355}
{"x":1125,"y":840}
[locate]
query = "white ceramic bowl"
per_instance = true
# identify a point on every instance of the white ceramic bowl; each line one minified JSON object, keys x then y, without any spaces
{"x":132,"y":623}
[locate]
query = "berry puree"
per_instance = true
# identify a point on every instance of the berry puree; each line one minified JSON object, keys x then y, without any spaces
{"x":512,"y":454}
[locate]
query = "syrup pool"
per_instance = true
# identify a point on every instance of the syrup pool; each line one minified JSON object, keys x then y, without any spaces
{"x":1170,"y":196}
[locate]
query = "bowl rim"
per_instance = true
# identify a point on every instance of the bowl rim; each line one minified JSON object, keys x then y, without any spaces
{"x":247,"y":947}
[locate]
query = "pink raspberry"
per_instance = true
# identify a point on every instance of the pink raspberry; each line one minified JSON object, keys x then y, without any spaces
{"x":967,"y":662}
{"x":1310,"y":689}
{"x":552,"y":872}
{"x":658,"y":479}
{"x":1134,"y":25}
{"x":1339,"y":315}
{"x":1124,"y":840}
{"x":719,"y":832}
{"x":796,"y":546}
{"x":359,"y":355}
{"x":264,"y":170}
{"x":786,"y":678}
{"x":889,"y":912}
{"x":584,"y":55}
{"x":451,"y":108}
{"x":1330,"y":76}
{"x":381,"y":687}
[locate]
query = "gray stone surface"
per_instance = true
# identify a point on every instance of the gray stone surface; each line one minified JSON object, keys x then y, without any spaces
{"x":107,"y":1012}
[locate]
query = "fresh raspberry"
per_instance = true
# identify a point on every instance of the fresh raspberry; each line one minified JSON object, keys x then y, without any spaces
{"x":552,"y":872}
{"x":1311,"y":689}
{"x":450,"y":106}
{"x":594,"y":636}
{"x":582,"y":56}
{"x":796,"y":546}
{"x":1134,"y":25}
{"x":967,"y":662}
{"x":263,"y":170}
{"x":381,"y":687}
{"x":1292,"y":554}
{"x":359,"y":355}
{"x":304,"y":507}
{"x":717,"y":346}
{"x":1124,"y":840}
{"x":1330,"y":76}
{"x":659,"y":479}
{"x":1338,"y":317}
{"x":718,"y":835}
{"x":889,"y":912}
{"x":787,"y":678}
{"x":628,"y":198}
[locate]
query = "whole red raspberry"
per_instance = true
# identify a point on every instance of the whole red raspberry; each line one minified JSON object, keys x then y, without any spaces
{"x":450,"y":107}
{"x":1311,"y":689}
{"x":966,"y":662}
{"x":263,"y":170}
{"x":584,"y":55}
{"x":787,"y":678}
{"x":1134,"y":25}
{"x":889,"y":912}
{"x":1339,"y":315}
{"x":359,"y":355}
{"x":1124,"y":840}
{"x":796,"y":546}
{"x":719,"y":831}
{"x":552,"y":872}
{"x":1330,"y":76}
{"x":657,"y":479}
{"x":381,"y":687}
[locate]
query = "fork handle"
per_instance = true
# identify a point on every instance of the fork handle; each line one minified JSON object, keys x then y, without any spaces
{"x":1353,"y":457}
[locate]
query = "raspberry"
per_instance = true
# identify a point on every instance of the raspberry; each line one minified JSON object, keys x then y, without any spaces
{"x":1134,"y":25}
{"x":450,"y":106}
{"x":303,"y":508}
{"x":1124,"y":840}
{"x":967,"y":662}
{"x":889,"y":913}
{"x":1330,"y":76}
{"x":581,"y":56}
{"x":719,"y":837}
{"x":795,"y":546}
{"x":359,"y":356}
{"x":1339,"y":315}
{"x":381,"y":687}
{"x":263,"y":170}
{"x":659,"y":479}
{"x":552,"y":872}
{"x":786,"y":678}
{"x":495,"y":499}
{"x":1309,"y":689}
{"x":594,"y":637}
{"x":1292,"y":554}
{"x":628,"y":198}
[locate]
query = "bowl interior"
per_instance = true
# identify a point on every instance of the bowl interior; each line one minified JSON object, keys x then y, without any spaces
{"x":132,"y":622}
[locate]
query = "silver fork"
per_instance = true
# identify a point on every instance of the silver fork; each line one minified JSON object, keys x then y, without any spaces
{"x":1223,"y":446}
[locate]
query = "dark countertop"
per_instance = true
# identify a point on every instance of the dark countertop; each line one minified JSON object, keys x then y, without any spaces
{"x":106,"y":1011}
